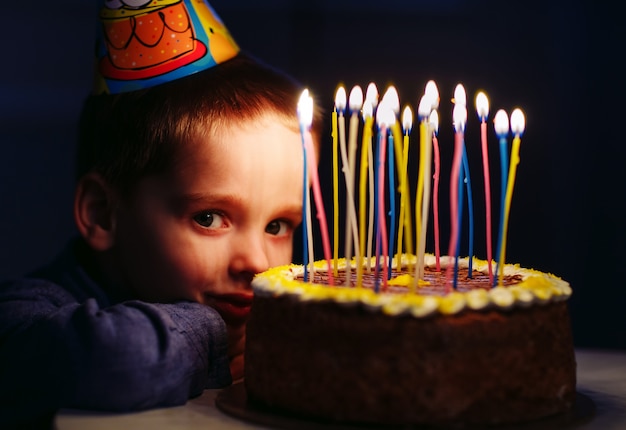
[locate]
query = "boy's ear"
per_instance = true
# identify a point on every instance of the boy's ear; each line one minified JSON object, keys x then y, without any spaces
{"x":94,"y":211}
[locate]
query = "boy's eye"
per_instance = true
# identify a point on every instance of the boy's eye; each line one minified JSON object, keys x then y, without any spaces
{"x":277,"y":228}
{"x":209,"y":220}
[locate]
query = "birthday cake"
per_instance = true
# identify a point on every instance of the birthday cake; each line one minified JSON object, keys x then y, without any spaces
{"x":404,"y":354}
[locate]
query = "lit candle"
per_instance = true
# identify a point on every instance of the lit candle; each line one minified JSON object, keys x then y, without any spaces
{"x":501,"y":125}
{"x":434,"y":123}
{"x":459,"y":115}
{"x":405,"y":214}
{"x":371,"y":96}
{"x":307,"y":236}
{"x":348,"y":158}
{"x":482,"y":108}
{"x":366,"y":150}
{"x":518,"y":124}
{"x":394,"y":152}
{"x":340,"y":107}
{"x":432,"y":93}
{"x":392,"y":199}
{"x":393,"y":101}
{"x":422,"y":202}
{"x":305,"y":112}
{"x":384,"y":118}
{"x":464,"y":179}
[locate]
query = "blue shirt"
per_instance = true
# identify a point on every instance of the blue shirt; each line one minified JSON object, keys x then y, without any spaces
{"x":67,"y":339}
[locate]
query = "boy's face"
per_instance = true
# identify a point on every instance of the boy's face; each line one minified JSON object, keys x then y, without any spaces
{"x":226,"y":211}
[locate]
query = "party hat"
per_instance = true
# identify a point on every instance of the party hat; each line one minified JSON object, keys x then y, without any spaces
{"x":143,"y":43}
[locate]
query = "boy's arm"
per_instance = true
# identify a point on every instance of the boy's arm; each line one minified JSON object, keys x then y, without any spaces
{"x":55,"y":352}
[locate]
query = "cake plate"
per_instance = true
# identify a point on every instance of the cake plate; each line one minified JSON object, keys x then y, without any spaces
{"x":234,"y":401}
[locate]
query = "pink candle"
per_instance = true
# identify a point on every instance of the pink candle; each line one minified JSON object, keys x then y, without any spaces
{"x":482,"y":107}
{"x":305,"y":114}
{"x":434,"y":122}
{"x":459,"y":117}
{"x":385,"y":117}
{"x":319,"y":204}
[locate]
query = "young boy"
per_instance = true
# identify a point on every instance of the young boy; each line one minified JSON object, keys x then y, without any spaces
{"x":185,"y":191}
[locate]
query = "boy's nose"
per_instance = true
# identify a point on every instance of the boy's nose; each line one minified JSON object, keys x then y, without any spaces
{"x":249,"y":257}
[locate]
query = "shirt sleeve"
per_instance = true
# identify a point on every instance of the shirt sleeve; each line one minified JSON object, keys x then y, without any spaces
{"x":56,"y":352}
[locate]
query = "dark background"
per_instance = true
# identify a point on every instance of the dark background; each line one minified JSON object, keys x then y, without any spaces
{"x":560,"y":61}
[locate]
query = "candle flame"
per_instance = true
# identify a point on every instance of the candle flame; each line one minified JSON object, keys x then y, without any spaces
{"x":371,"y":94}
{"x":385,"y":115}
{"x":434,"y":121}
{"x":391,"y":95}
{"x":356,"y":98}
{"x":459,"y":95}
{"x":501,"y":123}
{"x":341,"y":99}
{"x":432,"y":92}
{"x":459,"y":116}
{"x":407,"y":119}
{"x":424,"y":107}
{"x":305,"y":109}
{"x":482,"y":105}
{"x":368,"y":109}
{"x":518,"y":122}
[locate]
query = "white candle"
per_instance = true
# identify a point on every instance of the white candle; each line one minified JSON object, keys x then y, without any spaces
{"x":371,"y":102}
{"x":349,"y":161}
{"x":340,"y":107}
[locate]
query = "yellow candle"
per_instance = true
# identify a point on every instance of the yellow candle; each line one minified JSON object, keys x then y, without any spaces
{"x":371,"y":97}
{"x":418,"y":199}
{"x":517,"y":127}
{"x":365,"y":154}
{"x":423,"y":185}
{"x":405,"y":214}
{"x":425,"y":166}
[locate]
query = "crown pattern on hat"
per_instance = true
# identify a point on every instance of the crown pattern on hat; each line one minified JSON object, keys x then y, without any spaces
{"x":143,"y":43}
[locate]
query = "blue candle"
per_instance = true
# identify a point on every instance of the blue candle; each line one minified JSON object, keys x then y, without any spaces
{"x":305,"y":229}
{"x":501,"y":125}
{"x":459,"y":223}
{"x":470,"y":211}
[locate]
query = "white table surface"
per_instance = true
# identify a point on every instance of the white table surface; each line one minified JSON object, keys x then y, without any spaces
{"x":601,"y":376}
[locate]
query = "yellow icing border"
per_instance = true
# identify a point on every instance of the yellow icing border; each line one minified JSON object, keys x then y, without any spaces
{"x":535,"y":287}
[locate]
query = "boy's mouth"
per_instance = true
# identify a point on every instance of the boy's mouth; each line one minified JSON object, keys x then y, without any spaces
{"x":234,"y":308}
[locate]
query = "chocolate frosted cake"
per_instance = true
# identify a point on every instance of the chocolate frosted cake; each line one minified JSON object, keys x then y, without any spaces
{"x":476,"y":355}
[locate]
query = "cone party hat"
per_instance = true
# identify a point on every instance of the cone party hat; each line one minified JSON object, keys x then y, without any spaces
{"x":143,"y":43}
